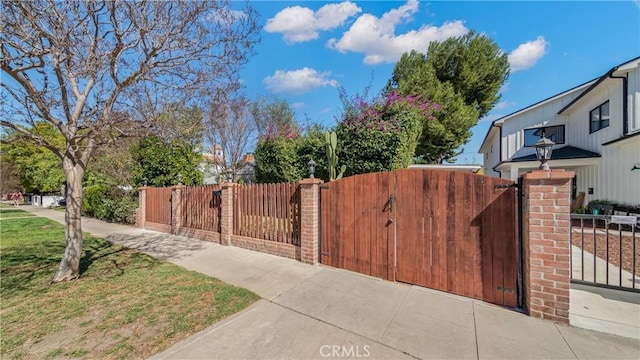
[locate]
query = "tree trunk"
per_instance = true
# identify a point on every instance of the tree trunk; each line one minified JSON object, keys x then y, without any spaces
{"x":69,"y":268}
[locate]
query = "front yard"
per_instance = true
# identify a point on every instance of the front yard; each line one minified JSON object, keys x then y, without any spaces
{"x":125,"y":304}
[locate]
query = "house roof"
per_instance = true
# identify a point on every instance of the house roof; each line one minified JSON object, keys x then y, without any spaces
{"x":499,"y":121}
{"x":623,"y":138}
{"x":624,"y":67}
{"x":589,"y":85}
{"x":563,"y":153}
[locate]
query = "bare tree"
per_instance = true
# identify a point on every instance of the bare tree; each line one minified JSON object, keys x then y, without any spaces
{"x":78,"y":64}
{"x":230,"y":126}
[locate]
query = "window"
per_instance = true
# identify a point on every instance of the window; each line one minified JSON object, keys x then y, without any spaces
{"x":553,"y":133}
{"x":599,"y":118}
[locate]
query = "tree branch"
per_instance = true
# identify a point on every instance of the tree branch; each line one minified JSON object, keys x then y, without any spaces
{"x":31,"y":136}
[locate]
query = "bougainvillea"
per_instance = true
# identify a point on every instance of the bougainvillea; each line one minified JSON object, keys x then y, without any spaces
{"x":381,"y":134}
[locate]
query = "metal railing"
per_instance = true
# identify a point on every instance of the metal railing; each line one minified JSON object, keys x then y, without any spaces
{"x":604,"y":251}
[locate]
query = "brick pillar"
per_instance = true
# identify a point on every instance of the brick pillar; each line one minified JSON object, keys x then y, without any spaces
{"x":309,"y":221}
{"x":226,"y":216}
{"x":546,"y":241}
{"x":141,"y":214}
{"x":176,"y":209}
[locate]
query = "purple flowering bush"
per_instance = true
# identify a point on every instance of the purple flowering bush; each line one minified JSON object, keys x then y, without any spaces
{"x":381,"y":134}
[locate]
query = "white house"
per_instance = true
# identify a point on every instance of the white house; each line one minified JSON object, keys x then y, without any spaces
{"x":596,"y":128}
{"x":212,"y":165}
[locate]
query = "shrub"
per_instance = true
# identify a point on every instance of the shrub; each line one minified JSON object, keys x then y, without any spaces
{"x":282,"y":155}
{"x":277,"y":160}
{"x":93,"y":196}
{"x":381,"y":135}
{"x":110,"y":204}
{"x":160,"y":161}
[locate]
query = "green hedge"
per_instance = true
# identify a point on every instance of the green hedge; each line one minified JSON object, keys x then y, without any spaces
{"x":110,"y":204}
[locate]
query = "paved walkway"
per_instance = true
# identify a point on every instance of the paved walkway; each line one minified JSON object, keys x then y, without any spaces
{"x":316,"y":312}
{"x":603,"y":309}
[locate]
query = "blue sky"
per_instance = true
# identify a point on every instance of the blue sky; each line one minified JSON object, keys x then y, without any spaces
{"x":309,"y":49}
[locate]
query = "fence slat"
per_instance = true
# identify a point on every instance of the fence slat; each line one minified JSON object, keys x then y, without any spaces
{"x":272,"y":208}
{"x":267,"y":211}
{"x":158,"y":205}
{"x":200,"y":208}
{"x":279,"y":215}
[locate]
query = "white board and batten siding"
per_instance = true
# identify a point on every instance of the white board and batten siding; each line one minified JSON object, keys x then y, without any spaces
{"x":612,"y":179}
{"x":577,"y":131}
{"x":633,"y":95}
{"x":492,"y":156}
{"x":545,"y":114}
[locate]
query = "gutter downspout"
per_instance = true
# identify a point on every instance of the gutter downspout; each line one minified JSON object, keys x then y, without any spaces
{"x":500,"y":148}
{"x":493,"y":124}
{"x":625,"y":102}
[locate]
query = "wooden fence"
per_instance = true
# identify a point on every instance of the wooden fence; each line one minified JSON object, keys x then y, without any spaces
{"x":268,"y":211}
{"x":201,"y":207}
{"x":158,"y":205}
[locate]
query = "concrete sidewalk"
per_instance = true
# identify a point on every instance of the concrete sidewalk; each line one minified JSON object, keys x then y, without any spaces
{"x":317,"y":312}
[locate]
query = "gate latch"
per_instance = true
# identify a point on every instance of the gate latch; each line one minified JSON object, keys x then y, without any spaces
{"x":502,"y":288}
{"x":505,"y":186}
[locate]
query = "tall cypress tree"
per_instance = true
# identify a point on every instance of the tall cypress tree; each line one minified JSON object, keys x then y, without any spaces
{"x":463,"y":75}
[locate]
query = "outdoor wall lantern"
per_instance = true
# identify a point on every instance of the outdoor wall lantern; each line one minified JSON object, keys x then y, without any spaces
{"x":636,"y":167}
{"x":544,"y":147}
{"x":145,"y":181}
{"x":179,"y":177}
{"x":230,"y":177}
{"x":312,"y":168}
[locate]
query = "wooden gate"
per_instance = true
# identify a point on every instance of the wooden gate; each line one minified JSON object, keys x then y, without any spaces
{"x":451,"y":231}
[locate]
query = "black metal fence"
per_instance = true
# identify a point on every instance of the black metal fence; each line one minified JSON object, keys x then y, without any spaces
{"x":604,"y":251}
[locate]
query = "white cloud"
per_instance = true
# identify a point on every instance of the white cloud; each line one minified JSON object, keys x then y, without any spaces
{"x":527,"y":54}
{"x":298,"y":81}
{"x":297,"y":105}
{"x":300,"y":24}
{"x":504,"y":105}
{"x":376,"y":38}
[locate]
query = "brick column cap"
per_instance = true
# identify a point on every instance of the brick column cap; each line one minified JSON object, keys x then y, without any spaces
{"x":310,"y":181}
{"x":178,"y":186}
{"x":227,"y":185}
{"x":555,"y":174}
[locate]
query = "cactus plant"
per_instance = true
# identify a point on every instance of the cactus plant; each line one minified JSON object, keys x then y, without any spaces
{"x":331,"y":143}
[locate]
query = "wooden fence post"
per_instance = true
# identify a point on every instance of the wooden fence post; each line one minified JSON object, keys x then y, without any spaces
{"x":309,"y":220}
{"x":226,"y":213}
{"x":141,"y":214}
{"x":176,"y":209}
{"x":547,"y":244}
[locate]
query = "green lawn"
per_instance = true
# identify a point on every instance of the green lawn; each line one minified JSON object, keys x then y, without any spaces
{"x":125,"y":304}
{"x":7,"y":213}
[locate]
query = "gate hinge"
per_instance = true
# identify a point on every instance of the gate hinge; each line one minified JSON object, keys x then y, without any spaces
{"x":324,"y":186}
{"x":502,"y":288}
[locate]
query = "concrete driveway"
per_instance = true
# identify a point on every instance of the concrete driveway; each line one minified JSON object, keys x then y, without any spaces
{"x":331,"y":313}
